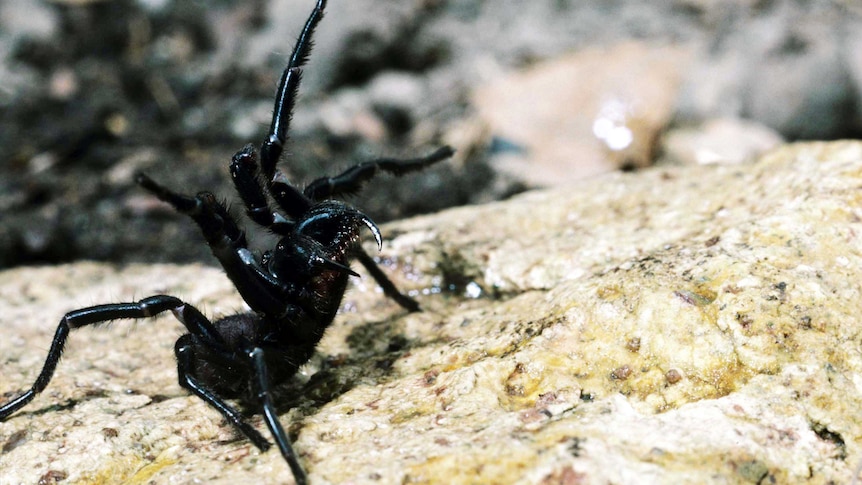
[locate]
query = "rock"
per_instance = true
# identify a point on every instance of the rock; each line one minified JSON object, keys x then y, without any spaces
{"x":669,"y":326}
{"x":585,"y":113}
{"x":787,"y":66}
{"x":719,"y":140}
{"x":800,"y":85}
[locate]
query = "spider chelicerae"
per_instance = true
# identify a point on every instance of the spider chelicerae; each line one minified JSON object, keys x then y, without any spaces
{"x":293,"y":290}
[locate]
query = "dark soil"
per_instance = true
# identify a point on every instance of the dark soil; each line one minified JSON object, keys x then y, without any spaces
{"x":118,"y":88}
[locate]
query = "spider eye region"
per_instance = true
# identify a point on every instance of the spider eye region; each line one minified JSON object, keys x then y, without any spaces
{"x":320,"y":243}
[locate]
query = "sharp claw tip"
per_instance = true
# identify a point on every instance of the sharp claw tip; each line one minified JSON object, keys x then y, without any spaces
{"x":374,"y":230}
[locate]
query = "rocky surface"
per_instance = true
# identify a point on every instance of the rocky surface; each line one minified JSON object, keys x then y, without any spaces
{"x":683,"y":324}
{"x":92,"y":90}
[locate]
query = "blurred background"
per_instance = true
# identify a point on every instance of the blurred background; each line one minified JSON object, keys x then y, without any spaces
{"x":531,"y":94}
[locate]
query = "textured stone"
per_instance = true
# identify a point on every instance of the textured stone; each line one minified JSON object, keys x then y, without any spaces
{"x":679,"y":325}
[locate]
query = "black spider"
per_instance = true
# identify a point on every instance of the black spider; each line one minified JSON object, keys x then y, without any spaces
{"x":294,"y":290}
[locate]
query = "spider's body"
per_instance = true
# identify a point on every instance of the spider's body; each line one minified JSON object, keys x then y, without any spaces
{"x":293,"y":290}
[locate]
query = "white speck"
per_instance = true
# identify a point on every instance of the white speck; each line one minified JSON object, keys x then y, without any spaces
{"x":245,"y":256}
{"x":610,"y":125}
{"x":473,"y":290}
{"x":748,"y":282}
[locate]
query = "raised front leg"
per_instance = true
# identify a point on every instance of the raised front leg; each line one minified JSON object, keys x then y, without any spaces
{"x":228,"y":245}
{"x":285,"y":97}
{"x":244,"y":173}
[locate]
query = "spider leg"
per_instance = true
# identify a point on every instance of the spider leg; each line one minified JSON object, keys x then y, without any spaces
{"x":228,"y":244}
{"x":148,"y":307}
{"x":244,"y":172}
{"x":184,"y":350}
{"x":273,"y":144}
{"x":244,"y":166}
{"x":389,"y":288}
{"x":260,"y":384}
{"x":352,"y":179}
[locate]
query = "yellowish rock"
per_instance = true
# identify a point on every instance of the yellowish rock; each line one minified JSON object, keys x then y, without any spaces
{"x":679,"y":325}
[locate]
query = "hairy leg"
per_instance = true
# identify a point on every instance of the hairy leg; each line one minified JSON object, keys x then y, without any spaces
{"x":184,"y":350}
{"x":289,"y":198}
{"x":148,"y":307}
{"x":229,"y":246}
{"x":261,"y":386}
{"x":352,"y":179}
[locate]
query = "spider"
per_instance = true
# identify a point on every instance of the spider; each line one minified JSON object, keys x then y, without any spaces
{"x":293,"y":290}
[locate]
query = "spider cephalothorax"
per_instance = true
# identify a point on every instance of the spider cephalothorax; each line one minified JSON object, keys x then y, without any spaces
{"x":293,"y":290}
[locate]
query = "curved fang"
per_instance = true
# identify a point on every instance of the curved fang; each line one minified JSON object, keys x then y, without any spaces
{"x":374,"y":229}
